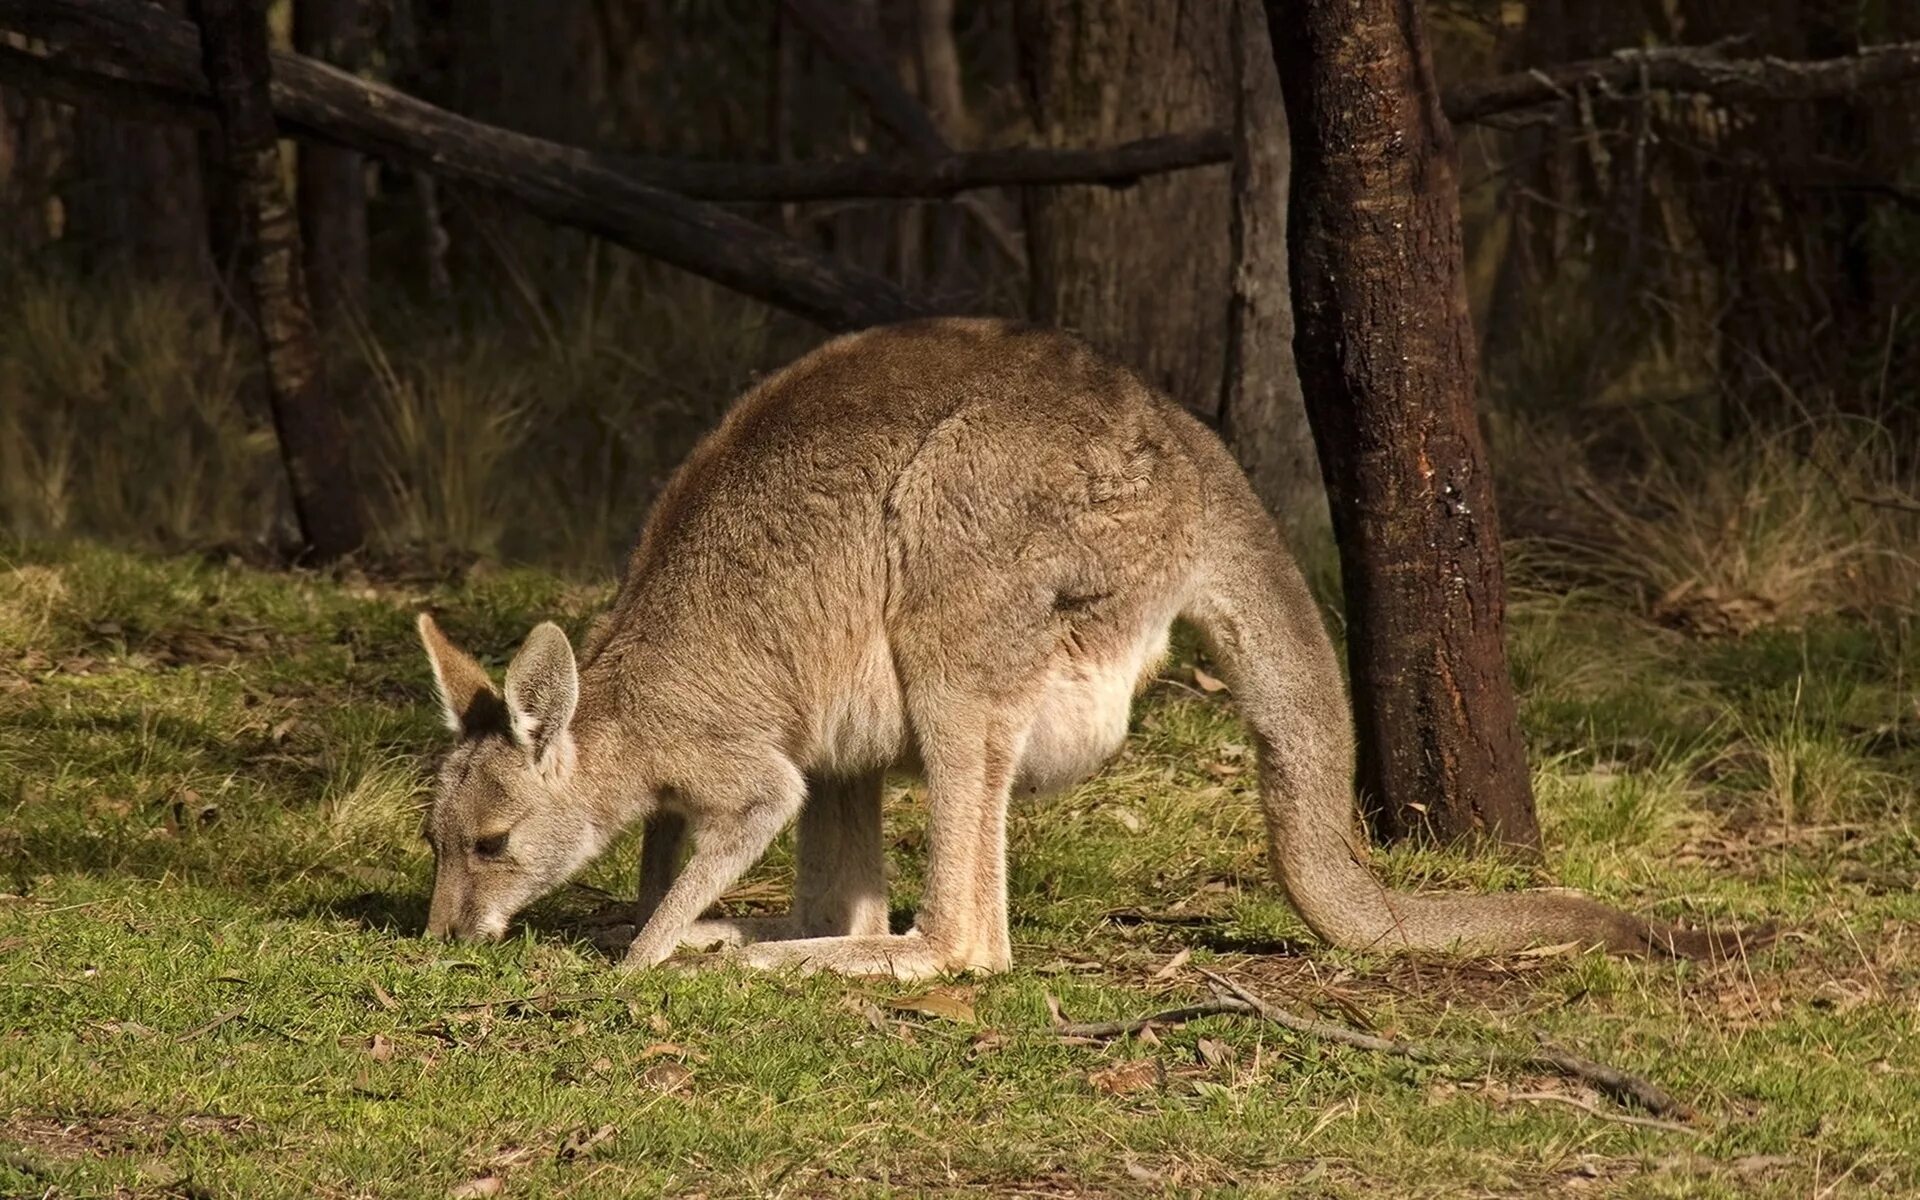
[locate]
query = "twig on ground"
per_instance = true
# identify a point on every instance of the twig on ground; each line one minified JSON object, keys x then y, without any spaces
{"x":1172,"y":1016}
{"x":1616,"y":1083}
{"x":1594,"y":1110}
{"x":1897,"y":503}
{"x":232,"y":1014}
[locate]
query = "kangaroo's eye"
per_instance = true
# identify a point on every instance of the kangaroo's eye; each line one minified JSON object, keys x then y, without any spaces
{"x":491,"y":847}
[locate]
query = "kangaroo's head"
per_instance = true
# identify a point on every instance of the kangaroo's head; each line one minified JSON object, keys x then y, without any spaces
{"x":505,"y":826}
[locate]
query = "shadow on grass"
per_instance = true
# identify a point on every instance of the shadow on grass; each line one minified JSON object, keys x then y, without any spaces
{"x":402,"y":913}
{"x":1207,"y":933}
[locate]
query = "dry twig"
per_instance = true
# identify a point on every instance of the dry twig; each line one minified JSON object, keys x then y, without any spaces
{"x":1234,"y":999}
{"x":1620,"y":1085}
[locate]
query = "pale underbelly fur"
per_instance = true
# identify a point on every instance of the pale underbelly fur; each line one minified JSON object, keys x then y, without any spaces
{"x":1080,"y":722}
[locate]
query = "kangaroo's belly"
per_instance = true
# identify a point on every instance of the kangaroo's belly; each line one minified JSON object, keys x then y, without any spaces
{"x":1082,"y":717}
{"x":1078,"y":724}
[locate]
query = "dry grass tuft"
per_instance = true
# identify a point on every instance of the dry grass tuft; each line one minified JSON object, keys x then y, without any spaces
{"x":1711,"y":536}
{"x":124,"y":409}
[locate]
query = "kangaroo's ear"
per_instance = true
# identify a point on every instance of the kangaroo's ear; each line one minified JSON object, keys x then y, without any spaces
{"x":471,"y":705}
{"x":543,"y":685}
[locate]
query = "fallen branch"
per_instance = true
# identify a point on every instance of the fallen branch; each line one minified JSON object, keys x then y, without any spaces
{"x":1612,"y":1081}
{"x":1594,"y":1110}
{"x":1705,"y":70}
{"x":1896,"y":503}
{"x":159,"y":59}
{"x":941,"y":176}
{"x":1236,"y":1000}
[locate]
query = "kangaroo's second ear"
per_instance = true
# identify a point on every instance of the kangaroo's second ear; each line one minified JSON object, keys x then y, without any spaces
{"x":466,"y":694}
{"x":543,"y":685}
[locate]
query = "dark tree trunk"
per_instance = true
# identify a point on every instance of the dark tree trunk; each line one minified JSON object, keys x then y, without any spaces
{"x":313,"y":443}
{"x":333,"y":180}
{"x":1386,"y":357}
{"x":1262,"y":413}
{"x":1141,"y":273}
{"x":136,"y":193}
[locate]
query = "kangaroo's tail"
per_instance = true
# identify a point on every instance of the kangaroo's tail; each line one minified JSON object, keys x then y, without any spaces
{"x":1263,"y":628}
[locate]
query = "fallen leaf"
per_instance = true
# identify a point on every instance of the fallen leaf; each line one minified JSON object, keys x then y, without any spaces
{"x":1126,"y":818}
{"x":1124,"y":1078}
{"x":508,"y":1157}
{"x":384,"y":998}
{"x":1550,"y":951}
{"x":1054,"y":1015}
{"x":1207,"y":682}
{"x":1174,"y":964}
{"x":1214,"y":1053}
{"x":664,"y":1050}
{"x":954,"y":1004}
{"x":473,"y":1189}
{"x":581,"y":1142}
{"x":985,"y":1041}
{"x":380,"y":1047}
{"x":667,"y":1077}
{"x":130,"y":1028}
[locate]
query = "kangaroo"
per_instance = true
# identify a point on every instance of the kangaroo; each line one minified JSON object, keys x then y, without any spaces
{"x":952,"y":546}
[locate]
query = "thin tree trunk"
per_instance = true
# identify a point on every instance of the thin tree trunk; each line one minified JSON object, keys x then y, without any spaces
{"x":1386,"y":355}
{"x":1143,"y":273}
{"x":313,"y":443}
{"x":333,"y":180}
{"x":1262,"y":413}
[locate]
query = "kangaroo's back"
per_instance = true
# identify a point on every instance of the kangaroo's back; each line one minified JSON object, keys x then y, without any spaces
{"x":789,"y":503}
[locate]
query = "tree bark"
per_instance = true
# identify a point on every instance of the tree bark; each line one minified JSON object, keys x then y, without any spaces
{"x":1386,"y":356}
{"x":1142,"y":274}
{"x":333,"y":180}
{"x":1262,"y":413}
{"x":313,"y":441}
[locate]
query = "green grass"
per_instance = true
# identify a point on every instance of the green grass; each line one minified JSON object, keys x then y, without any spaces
{"x":212,"y":981}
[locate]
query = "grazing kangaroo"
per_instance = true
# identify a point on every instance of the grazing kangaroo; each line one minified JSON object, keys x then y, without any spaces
{"x":956,"y":546}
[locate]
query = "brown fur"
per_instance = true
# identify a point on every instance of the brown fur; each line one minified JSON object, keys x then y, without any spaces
{"x":954,"y":546}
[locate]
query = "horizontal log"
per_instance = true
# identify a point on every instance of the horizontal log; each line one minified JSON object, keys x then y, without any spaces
{"x":1704,"y":70}
{"x":937,"y":177}
{"x":159,"y":57}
